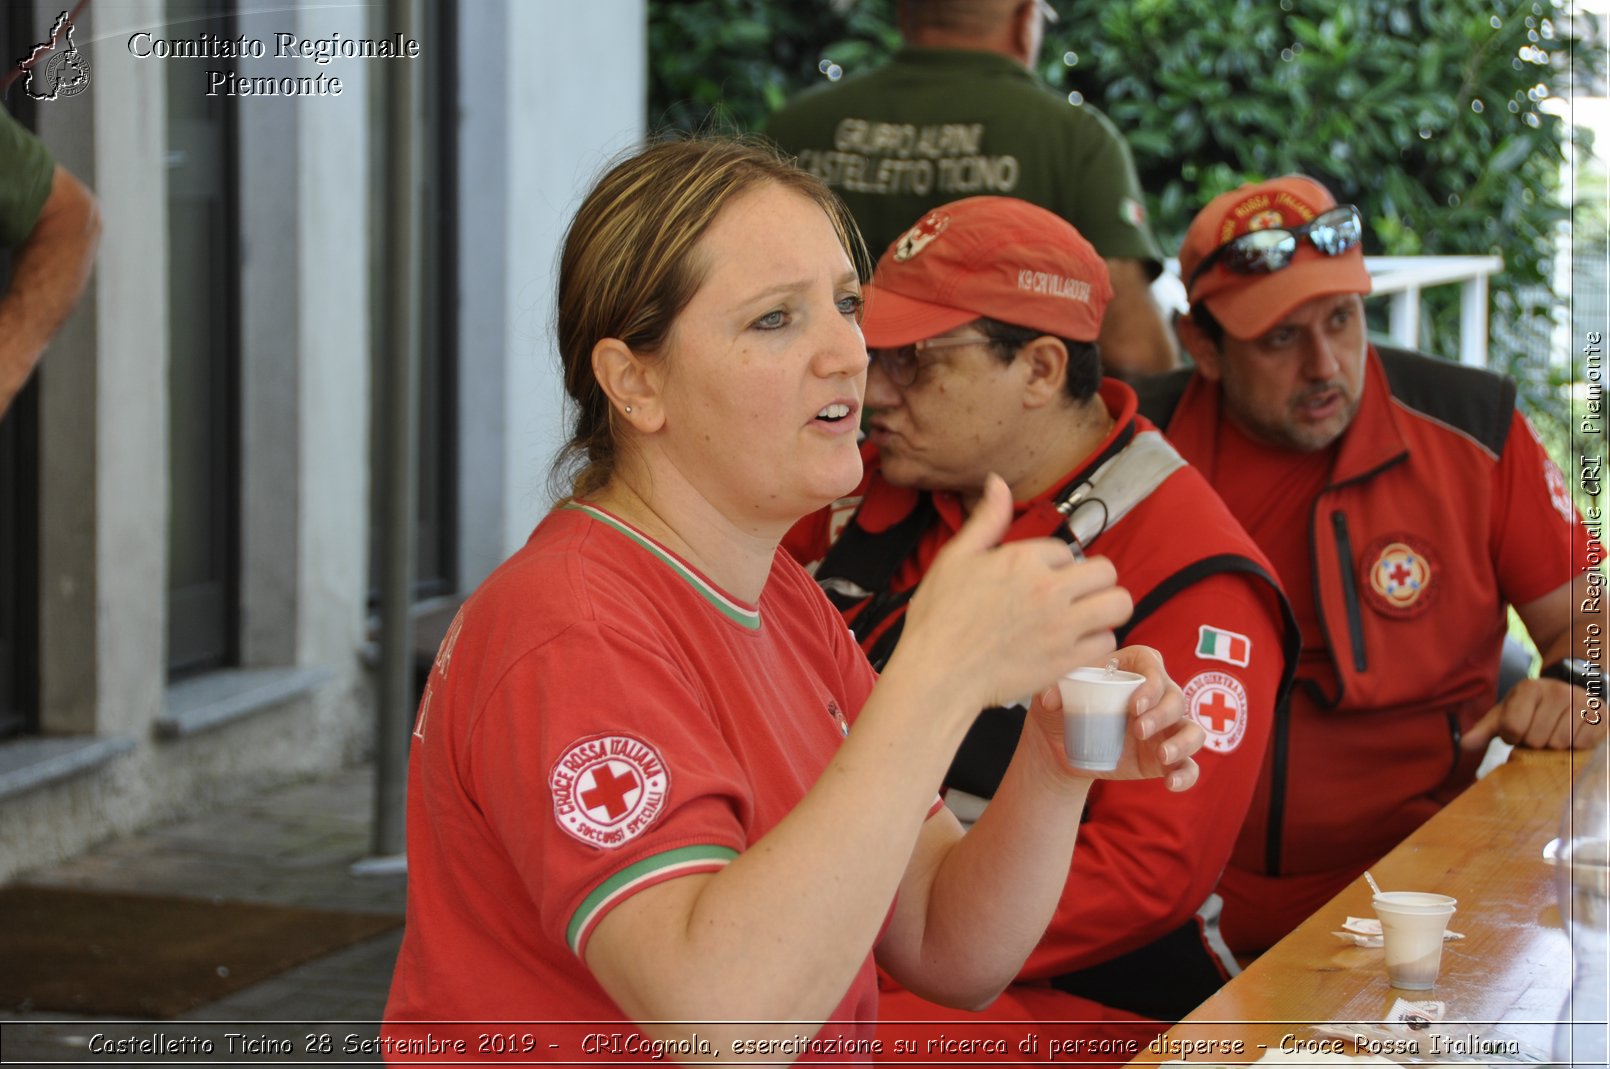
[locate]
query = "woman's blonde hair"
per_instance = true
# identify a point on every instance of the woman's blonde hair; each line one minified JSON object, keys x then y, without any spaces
{"x":627,"y":267}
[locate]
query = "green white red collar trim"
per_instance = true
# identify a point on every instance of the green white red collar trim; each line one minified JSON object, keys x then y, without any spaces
{"x":738,"y":613}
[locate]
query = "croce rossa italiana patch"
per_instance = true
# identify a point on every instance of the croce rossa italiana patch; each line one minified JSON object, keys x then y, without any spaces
{"x":608,"y":789}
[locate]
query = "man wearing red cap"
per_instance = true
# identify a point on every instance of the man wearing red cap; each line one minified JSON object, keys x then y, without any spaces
{"x":959,"y":111}
{"x":1405,"y":502}
{"x":981,"y":321}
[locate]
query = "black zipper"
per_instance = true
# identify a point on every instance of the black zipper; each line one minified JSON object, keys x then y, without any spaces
{"x":1274,"y":834}
{"x":1355,"y":626}
{"x":1457,"y":733}
{"x":1355,"y":619}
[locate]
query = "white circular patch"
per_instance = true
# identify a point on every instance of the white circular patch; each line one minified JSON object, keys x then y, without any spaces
{"x":607,"y":789}
{"x":1558,"y":493}
{"x":917,"y":238}
{"x":1218,"y":702}
{"x":1401,"y":577}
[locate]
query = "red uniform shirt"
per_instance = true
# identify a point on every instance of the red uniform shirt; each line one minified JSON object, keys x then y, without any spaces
{"x":601,"y":718}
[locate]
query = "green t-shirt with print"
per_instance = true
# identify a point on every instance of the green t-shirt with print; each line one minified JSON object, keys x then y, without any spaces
{"x":26,"y":171}
{"x":936,"y":125}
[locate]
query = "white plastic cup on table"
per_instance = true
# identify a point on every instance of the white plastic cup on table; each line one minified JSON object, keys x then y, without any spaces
{"x":1095,"y":716}
{"x":1412,"y":927}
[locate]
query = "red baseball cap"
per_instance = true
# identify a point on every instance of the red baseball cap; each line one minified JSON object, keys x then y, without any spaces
{"x":1248,"y":305}
{"x":995,"y":257}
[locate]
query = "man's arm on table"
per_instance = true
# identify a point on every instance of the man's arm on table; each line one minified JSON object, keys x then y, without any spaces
{"x":1550,"y":714}
{"x":1537,"y":538}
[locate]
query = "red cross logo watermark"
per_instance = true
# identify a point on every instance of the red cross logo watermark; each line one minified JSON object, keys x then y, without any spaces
{"x":1218,"y":702}
{"x":607,"y":789}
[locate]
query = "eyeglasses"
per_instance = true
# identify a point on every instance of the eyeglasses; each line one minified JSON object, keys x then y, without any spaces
{"x":1263,"y":252}
{"x":903,"y":364}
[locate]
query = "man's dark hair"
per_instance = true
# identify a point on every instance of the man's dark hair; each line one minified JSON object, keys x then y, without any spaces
{"x":1084,"y":357}
{"x":1208,"y":324}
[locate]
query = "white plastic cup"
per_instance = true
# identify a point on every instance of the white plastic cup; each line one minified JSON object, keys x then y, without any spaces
{"x":1412,"y":927}
{"x":1095,"y":716}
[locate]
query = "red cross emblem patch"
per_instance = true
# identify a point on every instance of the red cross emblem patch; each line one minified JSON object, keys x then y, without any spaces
{"x":917,"y":238}
{"x":1218,"y":702}
{"x":1559,"y":495}
{"x":607,"y":789}
{"x":1266,"y":220}
{"x":1400,"y":576}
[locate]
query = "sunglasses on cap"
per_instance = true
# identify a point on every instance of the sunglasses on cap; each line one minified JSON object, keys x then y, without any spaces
{"x":1262,"y":252}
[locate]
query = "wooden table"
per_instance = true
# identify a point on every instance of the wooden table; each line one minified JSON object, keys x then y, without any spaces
{"x":1511,"y":969}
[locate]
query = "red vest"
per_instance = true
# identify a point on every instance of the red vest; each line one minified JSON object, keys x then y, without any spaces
{"x":884,"y":539}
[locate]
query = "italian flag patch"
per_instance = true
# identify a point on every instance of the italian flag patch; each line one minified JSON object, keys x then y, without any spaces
{"x":1216,"y":644}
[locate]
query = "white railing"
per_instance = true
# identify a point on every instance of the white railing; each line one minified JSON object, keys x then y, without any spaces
{"x":1400,"y":279}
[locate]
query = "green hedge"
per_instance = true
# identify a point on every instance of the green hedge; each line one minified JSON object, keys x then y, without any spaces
{"x":1425,"y":114}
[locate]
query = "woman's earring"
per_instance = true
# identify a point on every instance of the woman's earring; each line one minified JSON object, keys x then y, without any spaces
{"x":628,"y":408}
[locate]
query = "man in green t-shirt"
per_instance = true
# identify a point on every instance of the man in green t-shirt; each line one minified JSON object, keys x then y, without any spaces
{"x":958,"y":112}
{"x":52,"y":225}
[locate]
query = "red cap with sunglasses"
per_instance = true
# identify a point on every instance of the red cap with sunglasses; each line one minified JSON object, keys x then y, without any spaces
{"x":986,"y":257}
{"x":1255,"y":253}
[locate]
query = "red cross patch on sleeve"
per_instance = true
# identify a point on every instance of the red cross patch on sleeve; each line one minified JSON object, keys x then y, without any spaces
{"x":1218,"y":702}
{"x":608,"y":789}
{"x":1559,"y":494}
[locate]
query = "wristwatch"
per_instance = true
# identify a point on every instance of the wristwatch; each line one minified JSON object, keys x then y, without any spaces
{"x":1577,"y":672}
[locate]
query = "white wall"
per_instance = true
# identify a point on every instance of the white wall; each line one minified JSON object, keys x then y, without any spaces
{"x":104,"y":393}
{"x":551,"y":91}
{"x":304,"y":187}
{"x":332,"y":342}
